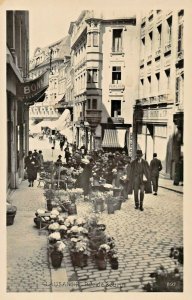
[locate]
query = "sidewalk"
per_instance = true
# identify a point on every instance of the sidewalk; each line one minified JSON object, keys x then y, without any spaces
{"x":168,"y":184}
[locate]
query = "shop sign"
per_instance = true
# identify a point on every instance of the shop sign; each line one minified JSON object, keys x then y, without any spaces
{"x":155,"y":114}
{"x":29,"y":89}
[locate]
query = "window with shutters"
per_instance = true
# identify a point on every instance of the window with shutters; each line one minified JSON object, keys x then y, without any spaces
{"x":169,"y":30}
{"x":159,"y":36}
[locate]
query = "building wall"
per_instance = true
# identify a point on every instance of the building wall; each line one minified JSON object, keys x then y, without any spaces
{"x":125,"y":89}
{"x":157,"y":102}
{"x":17,"y":37}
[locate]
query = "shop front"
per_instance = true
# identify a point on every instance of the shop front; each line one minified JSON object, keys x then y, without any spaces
{"x":154,"y":134}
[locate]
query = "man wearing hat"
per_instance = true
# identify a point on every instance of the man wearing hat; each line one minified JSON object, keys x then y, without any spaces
{"x":139,"y":179}
{"x":155,"y":168}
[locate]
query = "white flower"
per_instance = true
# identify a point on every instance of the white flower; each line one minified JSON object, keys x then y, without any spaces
{"x":75,"y":240}
{"x":63,"y":227}
{"x":55,"y":212}
{"x":60,"y":246}
{"x":80,"y":221}
{"x":55,"y":236}
{"x":40,"y":211}
{"x":54,"y":226}
{"x":75,"y":229}
{"x":47,"y":218}
{"x":53,"y":216}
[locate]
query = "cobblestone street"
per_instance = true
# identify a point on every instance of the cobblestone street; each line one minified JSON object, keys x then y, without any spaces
{"x":143,"y":240}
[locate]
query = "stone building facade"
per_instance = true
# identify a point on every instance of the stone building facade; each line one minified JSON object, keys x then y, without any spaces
{"x":158,"y":110}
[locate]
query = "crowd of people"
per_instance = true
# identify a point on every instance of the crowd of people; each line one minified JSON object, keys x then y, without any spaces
{"x":98,"y":166}
{"x":116,"y":169}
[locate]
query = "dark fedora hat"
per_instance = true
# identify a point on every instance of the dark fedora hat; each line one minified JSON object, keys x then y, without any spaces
{"x":139,"y":152}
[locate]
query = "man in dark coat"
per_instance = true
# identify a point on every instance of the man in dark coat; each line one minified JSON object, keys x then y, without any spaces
{"x":139,"y":179}
{"x":155,"y":168}
{"x":31,"y":165}
{"x":83,"y":181}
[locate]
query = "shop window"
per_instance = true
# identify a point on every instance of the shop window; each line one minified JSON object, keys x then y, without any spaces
{"x":117,"y":40}
{"x":115,"y":108}
{"x":116,"y":75}
{"x":94,"y":104}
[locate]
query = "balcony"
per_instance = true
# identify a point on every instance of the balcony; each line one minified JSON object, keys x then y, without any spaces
{"x":93,"y":116}
{"x":167,"y":49}
{"x":119,"y":51}
{"x":116,"y":86}
{"x":116,"y":120}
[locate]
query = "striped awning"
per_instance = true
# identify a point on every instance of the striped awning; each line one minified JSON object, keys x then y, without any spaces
{"x":114,"y":138}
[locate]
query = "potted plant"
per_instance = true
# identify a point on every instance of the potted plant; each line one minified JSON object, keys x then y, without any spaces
{"x":11,"y":212}
{"x":113,"y":258}
{"x":79,"y":251}
{"x":56,"y":253}
{"x":101,"y":256}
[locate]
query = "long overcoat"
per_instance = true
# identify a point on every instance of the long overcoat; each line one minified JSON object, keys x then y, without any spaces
{"x":31,"y":164}
{"x":146,"y":172}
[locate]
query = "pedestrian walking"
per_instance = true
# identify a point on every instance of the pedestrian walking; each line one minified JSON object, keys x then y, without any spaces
{"x":31,"y":166}
{"x":61,"y":144}
{"x":35,"y":154}
{"x":139,"y":179}
{"x":67,"y":153}
{"x":155,"y":168}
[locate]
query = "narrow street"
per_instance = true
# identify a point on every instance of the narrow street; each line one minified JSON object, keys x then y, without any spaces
{"x":143,"y":240}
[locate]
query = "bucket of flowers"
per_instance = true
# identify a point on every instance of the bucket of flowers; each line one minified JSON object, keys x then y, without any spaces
{"x":56,"y":253}
{"x":11,"y":212}
{"x":54,"y":227}
{"x":54,"y":237}
{"x":79,"y":251}
{"x":110,"y":201}
{"x":101,"y":256}
{"x":98,"y":201}
{"x":113,"y":258}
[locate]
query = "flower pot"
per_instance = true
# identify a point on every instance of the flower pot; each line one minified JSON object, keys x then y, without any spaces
{"x":116,"y":192}
{"x":10,"y":218}
{"x":72,"y":209}
{"x":114,"y":263}
{"x":110,"y":208}
{"x":118,"y":204}
{"x":49,"y":205}
{"x":56,"y":258}
{"x":101,"y":263}
{"x":79,"y":259}
{"x":99,"y":206}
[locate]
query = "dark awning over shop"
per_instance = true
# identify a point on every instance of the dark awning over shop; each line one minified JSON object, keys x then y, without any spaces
{"x":33,"y":91}
{"x":114,"y":138}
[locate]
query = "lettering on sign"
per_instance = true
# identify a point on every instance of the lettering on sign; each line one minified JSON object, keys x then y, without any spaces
{"x":155,"y":114}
